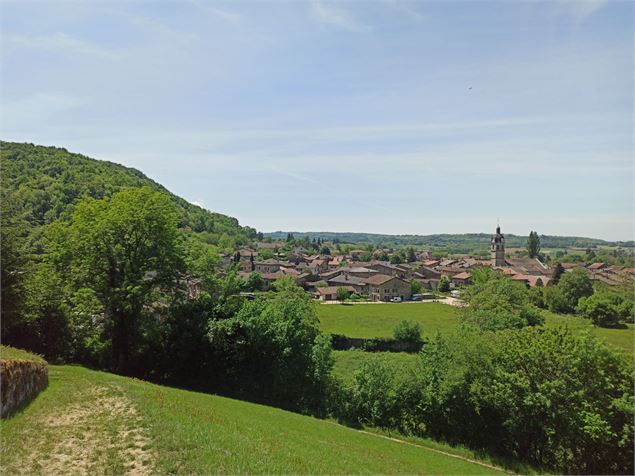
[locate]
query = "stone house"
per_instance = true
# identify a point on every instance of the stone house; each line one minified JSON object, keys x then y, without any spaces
{"x":383,"y":288}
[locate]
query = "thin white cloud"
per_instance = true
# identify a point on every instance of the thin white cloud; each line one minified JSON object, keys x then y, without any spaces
{"x":336,"y":17}
{"x":221,"y":13}
{"x":38,"y":107}
{"x":580,"y":9}
{"x":63,"y":43}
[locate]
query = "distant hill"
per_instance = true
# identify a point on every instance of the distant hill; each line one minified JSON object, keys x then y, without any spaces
{"x":46,"y":182}
{"x":468,"y":241}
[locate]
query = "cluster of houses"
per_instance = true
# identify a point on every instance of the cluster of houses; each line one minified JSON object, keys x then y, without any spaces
{"x":324,"y":275}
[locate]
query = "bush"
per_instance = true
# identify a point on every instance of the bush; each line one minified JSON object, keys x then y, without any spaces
{"x":408,"y":331}
{"x":444,"y":285}
{"x":544,"y":396}
{"x":498,"y":303}
{"x":342,"y":294}
{"x":606,"y":309}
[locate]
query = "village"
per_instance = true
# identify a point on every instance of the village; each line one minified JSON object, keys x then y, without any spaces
{"x":380,"y":280}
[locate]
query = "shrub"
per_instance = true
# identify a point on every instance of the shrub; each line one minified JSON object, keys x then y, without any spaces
{"x":408,"y":331}
{"x":606,"y":309}
{"x":444,"y":284}
{"x":544,"y":396}
{"x":500,"y":303}
{"x":342,"y":294}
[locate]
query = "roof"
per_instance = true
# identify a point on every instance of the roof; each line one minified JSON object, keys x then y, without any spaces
{"x":379,"y":279}
{"x":463,"y":275}
{"x":532,"y":280}
{"x":346,"y":279}
{"x":596,"y":266}
{"x":333,"y":290}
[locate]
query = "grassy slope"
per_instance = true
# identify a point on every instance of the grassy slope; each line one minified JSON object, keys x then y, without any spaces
{"x":11,"y":353}
{"x":182,"y":432}
{"x":379,"y":320}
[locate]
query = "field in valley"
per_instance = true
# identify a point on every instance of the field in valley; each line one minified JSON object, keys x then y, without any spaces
{"x":379,"y":320}
{"x":99,"y":423}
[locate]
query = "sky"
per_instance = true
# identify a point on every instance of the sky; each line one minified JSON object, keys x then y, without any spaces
{"x":393,"y":117}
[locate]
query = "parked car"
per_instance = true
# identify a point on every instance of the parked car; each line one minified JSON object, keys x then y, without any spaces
{"x":417,"y":297}
{"x":396,"y":299}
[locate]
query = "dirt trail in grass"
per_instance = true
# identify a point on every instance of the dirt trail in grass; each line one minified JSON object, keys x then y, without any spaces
{"x":102,"y":432}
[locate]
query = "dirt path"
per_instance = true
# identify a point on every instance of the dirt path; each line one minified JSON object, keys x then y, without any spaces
{"x":100,"y":434}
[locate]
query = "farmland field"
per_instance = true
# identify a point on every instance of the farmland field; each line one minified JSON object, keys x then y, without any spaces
{"x":379,"y":320}
{"x":99,"y":423}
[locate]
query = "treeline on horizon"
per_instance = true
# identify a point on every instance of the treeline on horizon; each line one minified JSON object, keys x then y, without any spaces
{"x":445,"y":240}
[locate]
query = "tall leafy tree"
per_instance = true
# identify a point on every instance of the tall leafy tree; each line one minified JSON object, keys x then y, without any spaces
{"x":127,"y":250}
{"x":533,"y":244}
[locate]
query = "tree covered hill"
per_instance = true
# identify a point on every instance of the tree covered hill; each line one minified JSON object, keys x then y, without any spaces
{"x":459,"y":241}
{"x":43,"y":184}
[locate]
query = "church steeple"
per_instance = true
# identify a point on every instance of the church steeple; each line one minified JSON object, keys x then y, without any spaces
{"x":498,"y":248}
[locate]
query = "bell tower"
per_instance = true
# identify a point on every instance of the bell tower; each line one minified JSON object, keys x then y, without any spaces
{"x":498,"y":248}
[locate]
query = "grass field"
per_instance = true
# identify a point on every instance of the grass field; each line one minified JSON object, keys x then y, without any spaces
{"x":379,"y":320}
{"x":89,"y":422}
{"x":621,"y":339}
{"x":12,"y":353}
{"x":348,"y":361}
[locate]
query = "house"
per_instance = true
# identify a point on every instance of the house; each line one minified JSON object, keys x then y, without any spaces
{"x":383,"y":288}
{"x":427,"y":273}
{"x":359,"y":284}
{"x":336,"y":262}
{"x":382,"y":267}
{"x":329,"y":293}
{"x":319,"y":265}
{"x":360,"y":271}
{"x":267,"y":266}
{"x":462,"y":279}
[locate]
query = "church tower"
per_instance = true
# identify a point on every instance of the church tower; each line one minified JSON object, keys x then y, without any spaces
{"x":498,"y":249}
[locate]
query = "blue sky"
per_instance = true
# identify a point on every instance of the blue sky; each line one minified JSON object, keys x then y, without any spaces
{"x":383,"y":116}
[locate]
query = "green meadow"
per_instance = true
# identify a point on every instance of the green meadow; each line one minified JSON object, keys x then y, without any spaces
{"x":347,"y":362}
{"x":379,"y":320}
{"x":93,"y":422}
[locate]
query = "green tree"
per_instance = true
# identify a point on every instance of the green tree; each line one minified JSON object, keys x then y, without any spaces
{"x":255,"y":282}
{"x":273,"y":348}
{"x":325,"y":250}
{"x":533,"y":245}
{"x":415,"y":286}
{"x":541,"y":395}
{"x":573,"y":286}
{"x":411,"y":257}
{"x":342,"y":294}
{"x":396,"y":259}
{"x":606,"y":309}
{"x":13,"y":267}
{"x":557,"y":273}
{"x":499,"y":303}
{"x":290,"y":237}
{"x":444,"y":284}
{"x":125,"y":249}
